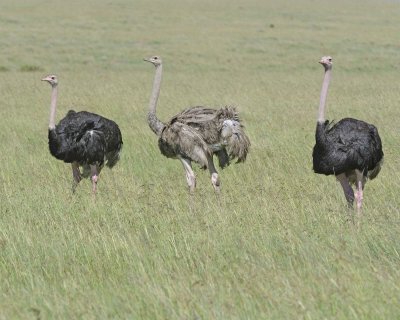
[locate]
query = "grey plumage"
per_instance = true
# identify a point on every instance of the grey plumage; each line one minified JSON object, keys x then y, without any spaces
{"x":180,"y":140}
{"x":221,"y":129}
{"x":197,"y":133}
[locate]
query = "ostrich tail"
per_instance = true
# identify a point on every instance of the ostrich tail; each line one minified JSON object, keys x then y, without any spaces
{"x":375,"y":171}
{"x":92,"y":148}
{"x":232,"y":134}
{"x":113,"y":157}
{"x":235,"y":140}
{"x":238,"y":147}
{"x":228,"y":112}
{"x":155,"y":124}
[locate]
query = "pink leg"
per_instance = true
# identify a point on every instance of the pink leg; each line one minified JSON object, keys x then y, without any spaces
{"x":348,"y":191}
{"x":359,"y":196}
{"x":76,"y":173}
{"x":94,"y":176}
{"x":214,"y":175}
{"x":190,"y":177}
{"x":359,"y":192}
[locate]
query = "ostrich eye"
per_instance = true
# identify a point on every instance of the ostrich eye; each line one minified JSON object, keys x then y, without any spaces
{"x":330,"y":59}
{"x":155,"y":58}
{"x":52,"y":78}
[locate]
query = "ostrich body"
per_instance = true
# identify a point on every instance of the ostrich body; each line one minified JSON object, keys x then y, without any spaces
{"x":350,"y":149}
{"x":197,"y":133}
{"x":220,"y":129}
{"x":83,"y":139}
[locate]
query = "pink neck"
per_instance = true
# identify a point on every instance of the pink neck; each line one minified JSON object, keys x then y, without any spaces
{"x":324,"y":93}
{"x":53,"y":106}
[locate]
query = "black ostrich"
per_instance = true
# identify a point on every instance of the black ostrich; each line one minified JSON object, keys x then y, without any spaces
{"x":350,"y":149}
{"x":83,"y":139}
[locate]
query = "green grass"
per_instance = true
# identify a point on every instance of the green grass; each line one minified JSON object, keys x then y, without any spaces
{"x":277,"y":243}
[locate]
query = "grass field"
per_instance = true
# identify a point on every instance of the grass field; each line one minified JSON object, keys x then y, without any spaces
{"x":278,"y":242}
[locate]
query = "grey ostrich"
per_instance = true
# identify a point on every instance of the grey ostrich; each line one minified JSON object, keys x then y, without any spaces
{"x":197,"y":133}
{"x":349,"y":149}
{"x":221,"y":130}
{"x":83,"y":139}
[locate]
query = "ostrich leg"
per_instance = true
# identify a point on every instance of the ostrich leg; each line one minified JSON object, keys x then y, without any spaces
{"x":214,"y":175}
{"x":359,"y":192}
{"x":190,"y":177}
{"x":76,"y":175}
{"x":348,"y":191}
{"x":94,"y":176}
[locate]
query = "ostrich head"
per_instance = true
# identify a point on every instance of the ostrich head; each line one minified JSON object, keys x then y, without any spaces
{"x":52,"y":79}
{"x":156,"y":60}
{"x":326,"y":61}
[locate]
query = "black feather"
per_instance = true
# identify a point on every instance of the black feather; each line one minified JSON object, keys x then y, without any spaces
{"x":345,"y":146}
{"x":86,"y":138}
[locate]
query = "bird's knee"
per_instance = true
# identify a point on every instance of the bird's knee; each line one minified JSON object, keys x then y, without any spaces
{"x":359,"y":196}
{"x":215,"y":181}
{"x":191,"y":181}
{"x":95,"y":178}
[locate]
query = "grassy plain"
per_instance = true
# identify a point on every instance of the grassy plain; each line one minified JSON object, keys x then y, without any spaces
{"x":278,"y":243}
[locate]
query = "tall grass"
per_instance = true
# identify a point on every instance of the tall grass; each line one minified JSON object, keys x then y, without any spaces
{"x":277,"y":243}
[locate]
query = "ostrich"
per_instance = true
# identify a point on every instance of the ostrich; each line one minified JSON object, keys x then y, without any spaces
{"x":83,"y":139}
{"x":221,"y":130}
{"x":197,"y":133}
{"x":350,"y":149}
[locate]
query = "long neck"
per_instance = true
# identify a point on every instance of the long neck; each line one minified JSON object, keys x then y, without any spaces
{"x":155,"y":124}
{"x":324,"y":93}
{"x":53,"y":106}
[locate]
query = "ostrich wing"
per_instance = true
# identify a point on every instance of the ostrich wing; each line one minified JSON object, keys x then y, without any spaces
{"x":359,"y":141}
{"x":202,"y":116}
{"x":195,"y":115}
{"x":111,"y":137}
{"x":181,"y":140}
{"x":208,"y":122}
{"x":92,"y":121}
{"x":86,"y":137}
{"x":203,"y":120}
{"x":220,"y":129}
{"x":347,"y":145}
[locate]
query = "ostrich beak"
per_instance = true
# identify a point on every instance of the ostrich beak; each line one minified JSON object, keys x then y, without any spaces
{"x":146,"y":59}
